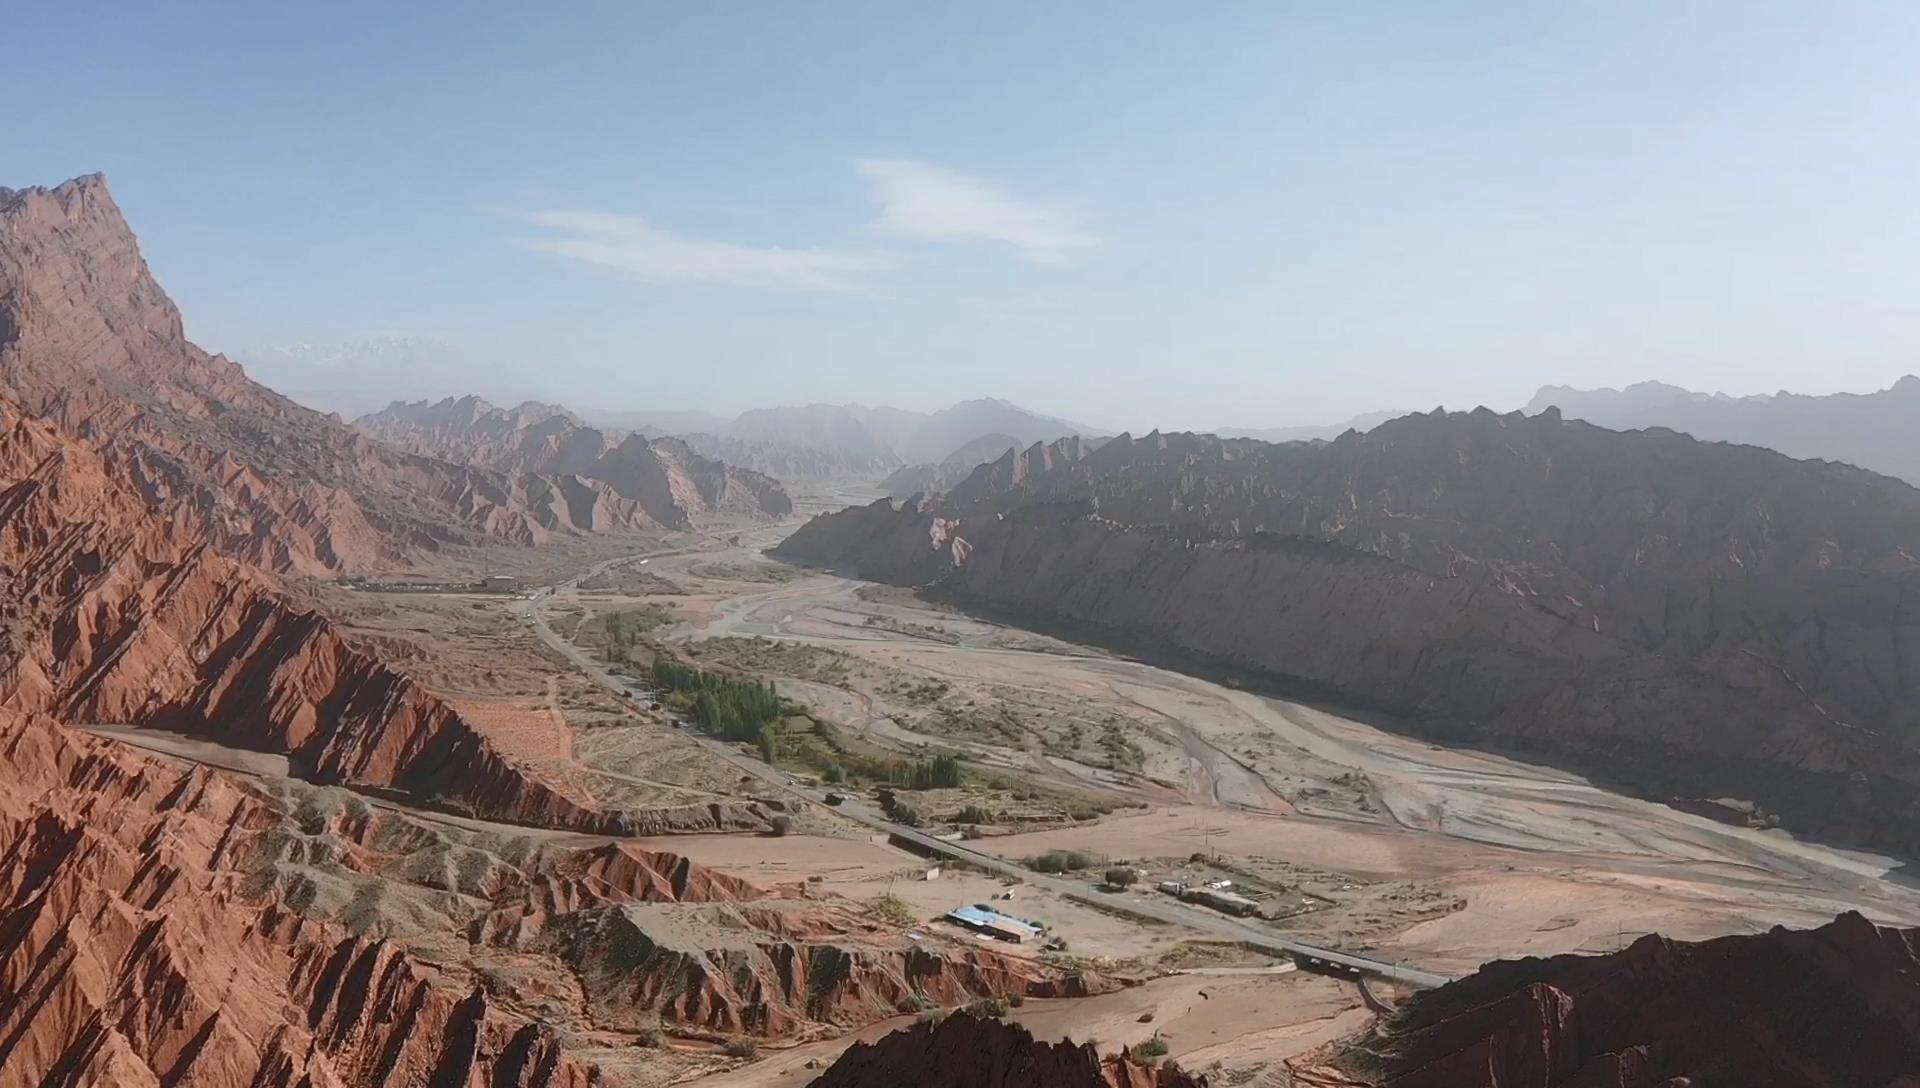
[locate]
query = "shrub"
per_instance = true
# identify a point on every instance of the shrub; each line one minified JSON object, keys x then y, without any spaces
{"x":782,"y":826}
{"x":650,"y":1037}
{"x":990,"y":1008}
{"x":741,"y":1048}
{"x":1120,"y":876}
{"x":1016,"y":1000}
{"x":833,"y":774}
{"x":974,"y":814}
{"x":1149,"y":1049}
{"x":894,"y":909}
{"x":1059,"y":861}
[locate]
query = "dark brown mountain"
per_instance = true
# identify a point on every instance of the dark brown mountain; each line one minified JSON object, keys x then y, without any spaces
{"x":674,"y":485}
{"x":1690,"y":619}
{"x":89,"y":340}
{"x":1834,"y":1007}
{"x":963,"y":1051}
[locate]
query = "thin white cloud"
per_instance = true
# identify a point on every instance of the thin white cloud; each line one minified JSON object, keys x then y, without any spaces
{"x":632,"y":245}
{"x":918,"y":200}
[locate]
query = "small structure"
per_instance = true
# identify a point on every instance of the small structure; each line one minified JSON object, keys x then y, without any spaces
{"x":1225,"y":902}
{"x":983,"y":919}
{"x":500,"y":583}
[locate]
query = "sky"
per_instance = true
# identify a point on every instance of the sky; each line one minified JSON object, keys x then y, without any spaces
{"x":1134,"y":215}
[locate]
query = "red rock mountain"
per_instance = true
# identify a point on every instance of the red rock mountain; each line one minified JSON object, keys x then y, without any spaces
{"x":111,"y":614}
{"x":1689,"y":619}
{"x":1825,"y":1008}
{"x":131,"y":953}
{"x":675,"y":486}
{"x":89,"y":340}
{"x":963,"y":1051}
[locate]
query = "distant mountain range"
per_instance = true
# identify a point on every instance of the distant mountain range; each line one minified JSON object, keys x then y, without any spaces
{"x":885,"y":437}
{"x":1871,"y":430}
{"x":1363,"y":423}
{"x":672,"y":483}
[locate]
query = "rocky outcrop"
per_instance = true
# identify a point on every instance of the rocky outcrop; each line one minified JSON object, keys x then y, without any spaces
{"x":1834,"y":1006}
{"x":1684,"y":618}
{"x":89,"y":341}
{"x":964,"y":1051}
{"x":664,"y":478}
{"x":109,"y":614}
{"x":931,"y":479}
{"x":131,"y":952}
{"x":784,"y":968}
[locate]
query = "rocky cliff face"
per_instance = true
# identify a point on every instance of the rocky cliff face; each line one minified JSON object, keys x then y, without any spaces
{"x":1689,"y":618}
{"x":665,"y":478}
{"x":110,"y":614}
{"x":90,"y":341}
{"x":132,"y":954}
{"x":932,"y":479}
{"x":963,"y":1051}
{"x":1838,"y":1005}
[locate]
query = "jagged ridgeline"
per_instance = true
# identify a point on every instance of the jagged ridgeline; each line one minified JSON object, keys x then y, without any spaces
{"x":1688,"y":619}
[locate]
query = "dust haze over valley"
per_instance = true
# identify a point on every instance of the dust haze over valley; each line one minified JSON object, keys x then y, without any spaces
{"x":846,"y":583}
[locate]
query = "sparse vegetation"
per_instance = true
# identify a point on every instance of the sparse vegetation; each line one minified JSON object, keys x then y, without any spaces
{"x":892,"y":908}
{"x":1059,"y":861}
{"x":741,"y":1048}
{"x":731,"y":708}
{"x":990,"y":1008}
{"x":1149,"y":1050}
{"x":765,"y":573}
{"x":942,"y":772}
{"x":623,"y":630}
{"x":899,"y":811}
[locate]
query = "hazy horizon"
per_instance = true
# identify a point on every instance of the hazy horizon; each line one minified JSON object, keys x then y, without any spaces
{"x":1126,"y":217}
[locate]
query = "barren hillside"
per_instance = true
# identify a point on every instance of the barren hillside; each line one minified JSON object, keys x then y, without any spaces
{"x":90,"y":341}
{"x":1697,"y":620}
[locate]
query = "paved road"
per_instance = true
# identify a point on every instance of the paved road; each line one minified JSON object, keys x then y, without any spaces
{"x":1161,"y":909}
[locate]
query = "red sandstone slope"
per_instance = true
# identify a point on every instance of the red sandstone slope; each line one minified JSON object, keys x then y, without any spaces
{"x":962,"y":1051}
{"x":131,"y":955}
{"x":1824,"y":1008}
{"x":114,"y":616}
{"x":89,"y":340}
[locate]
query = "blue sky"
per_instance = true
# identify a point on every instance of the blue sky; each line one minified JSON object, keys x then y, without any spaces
{"x":1129,"y":214}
